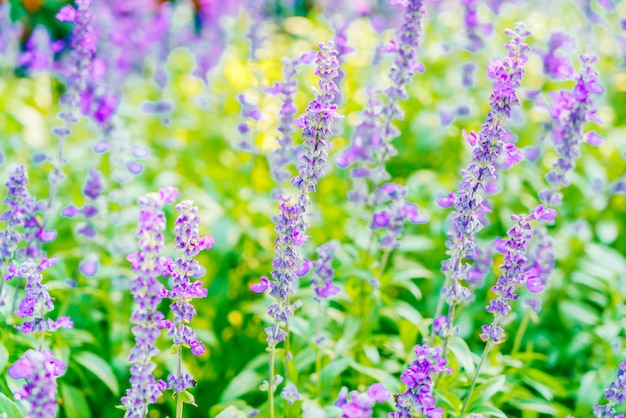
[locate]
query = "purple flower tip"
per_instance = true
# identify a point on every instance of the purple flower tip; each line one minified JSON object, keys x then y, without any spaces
{"x":21,"y":369}
{"x":593,"y":139}
{"x":378,"y":392}
{"x":134,"y":167}
{"x":66,"y":14}
{"x":70,"y":211}
{"x":47,"y":236}
{"x":471,"y":138}
{"x":262,"y":286}
{"x":446,"y":201}
{"x":89,"y":267}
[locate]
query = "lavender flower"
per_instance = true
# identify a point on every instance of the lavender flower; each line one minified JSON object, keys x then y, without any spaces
{"x":513,"y":271}
{"x":472,"y":26}
{"x":287,"y":152}
{"x":322,"y":282}
{"x":360,"y":404}
{"x":37,"y":301}
{"x":488,"y":146}
{"x":569,"y":111}
{"x":615,"y":394}
{"x":189,"y":244}
{"x":554,"y":65}
{"x":316,"y":123}
{"x":148,"y":292}
{"x":38,"y":56}
{"x":395,"y":214}
{"x":419,"y":384}
{"x":540,"y":266}
{"x":40,"y":369}
{"x":290,"y":393}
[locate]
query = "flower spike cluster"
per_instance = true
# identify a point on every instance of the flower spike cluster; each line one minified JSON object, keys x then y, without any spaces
{"x":488,"y":147}
{"x":148,"y":292}
{"x":514,"y":271}
{"x":189,"y":244}
{"x":360,"y":404}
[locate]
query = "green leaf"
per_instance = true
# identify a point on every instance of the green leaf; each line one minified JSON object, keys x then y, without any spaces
{"x":462,"y":353}
{"x":537,"y":405}
{"x":9,"y":407}
{"x":244,"y":382}
{"x":188,"y":398}
{"x":450,"y":399}
{"x":74,"y":403}
{"x":100,"y":368}
{"x":4,"y":357}
{"x":231,"y":412}
{"x":483,"y":393}
{"x":488,"y":411}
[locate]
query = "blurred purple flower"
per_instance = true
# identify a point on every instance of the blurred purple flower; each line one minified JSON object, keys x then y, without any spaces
{"x":554,"y":65}
{"x":322,"y":281}
{"x":569,"y":111}
{"x":615,"y":394}
{"x":41,"y":370}
{"x":360,"y":404}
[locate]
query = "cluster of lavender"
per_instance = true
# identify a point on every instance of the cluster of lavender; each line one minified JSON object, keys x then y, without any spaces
{"x":481,"y":174}
{"x":92,"y":190}
{"x":38,"y":367}
{"x":24,"y":233}
{"x":514,"y":272}
{"x":615,"y":394}
{"x":359,"y":405}
{"x":418,"y":379}
{"x":23,"y":258}
{"x":473,"y":27}
{"x":189,"y":244}
{"x":148,"y":292}
{"x":149,"y":263}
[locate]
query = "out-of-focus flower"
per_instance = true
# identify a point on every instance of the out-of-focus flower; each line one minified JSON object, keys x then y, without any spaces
{"x":359,"y":405}
{"x":615,"y":394}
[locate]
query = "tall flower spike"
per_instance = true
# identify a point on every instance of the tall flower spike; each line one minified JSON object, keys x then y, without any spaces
{"x":148,"y":292}
{"x":188,"y":244}
{"x":419,"y":384}
{"x":316,"y":123}
{"x":514,"y":271}
{"x":488,"y":147}
{"x":569,"y":111}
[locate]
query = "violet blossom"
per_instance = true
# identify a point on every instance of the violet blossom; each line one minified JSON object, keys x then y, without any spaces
{"x":360,"y":405}
{"x":418,"y":379}
{"x":556,"y":66}
{"x":40,"y":369}
{"x":188,"y":244}
{"x":514,"y":272}
{"x":38,"y":55}
{"x":488,"y":147}
{"x":395,"y":214}
{"x":148,"y":264}
{"x":569,"y":111}
{"x":615,"y":394}
{"x":322,"y":281}
{"x":473,"y":26}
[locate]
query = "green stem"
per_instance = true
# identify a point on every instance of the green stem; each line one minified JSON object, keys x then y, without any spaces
{"x":179,"y":366}
{"x":519,"y":335}
{"x":270,"y":387}
{"x":318,"y":358}
{"x":471,"y":388}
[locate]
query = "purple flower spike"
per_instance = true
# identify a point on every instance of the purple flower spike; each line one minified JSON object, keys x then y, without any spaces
{"x":316,"y":122}
{"x":93,"y":186}
{"x":188,"y":244}
{"x":40,"y":370}
{"x":488,"y":146}
{"x":66,"y":14}
{"x":322,"y":282}
{"x":513,"y":272}
{"x":570,"y":111}
{"x":556,"y":66}
{"x":148,"y":292}
{"x":419,"y":384}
